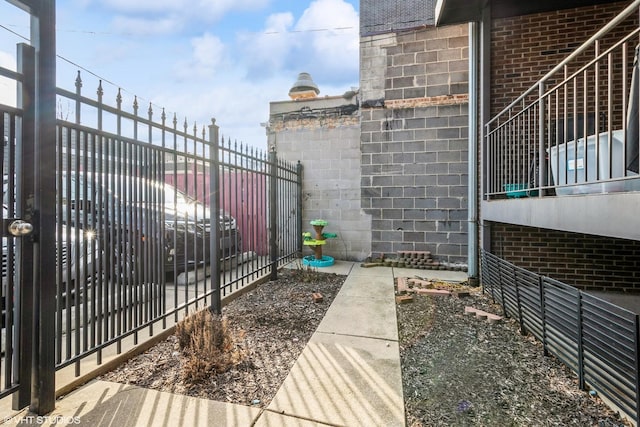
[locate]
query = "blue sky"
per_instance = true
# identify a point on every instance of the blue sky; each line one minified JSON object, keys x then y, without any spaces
{"x":199,"y":58}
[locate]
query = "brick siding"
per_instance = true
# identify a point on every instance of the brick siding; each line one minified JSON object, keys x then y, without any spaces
{"x":591,"y":263}
{"x":525,"y":48}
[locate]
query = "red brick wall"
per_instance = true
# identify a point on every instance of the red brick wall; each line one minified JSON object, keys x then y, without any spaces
{"x":585,"y":261}
{"x":525,"y":48}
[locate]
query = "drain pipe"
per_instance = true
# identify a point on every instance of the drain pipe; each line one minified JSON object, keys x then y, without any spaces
{"x":472,"y":229}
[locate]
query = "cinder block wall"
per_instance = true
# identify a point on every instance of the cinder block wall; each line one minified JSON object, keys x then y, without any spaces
{"x":414,"y":91}
{"x":588,"y":262}
{"x":329,"y":150}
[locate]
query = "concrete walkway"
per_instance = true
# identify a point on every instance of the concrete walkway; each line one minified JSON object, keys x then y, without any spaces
{"x":347,"y":375}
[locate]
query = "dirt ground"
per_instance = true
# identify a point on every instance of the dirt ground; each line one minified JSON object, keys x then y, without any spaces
{"x":276,"y":321}
{"x":457,"y":370}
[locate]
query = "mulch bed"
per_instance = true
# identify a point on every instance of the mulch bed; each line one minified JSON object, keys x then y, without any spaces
{"x":276,"y":321}
{"x":459,"y":370}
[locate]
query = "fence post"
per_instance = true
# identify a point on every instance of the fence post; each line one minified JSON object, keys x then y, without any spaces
{"x":541,"y":151}
{"x":299,"y":240}
{"x":486,"y":262}
{"x":273,"y":213}
{"x":43,"y":38}
{"x":214,"y":210}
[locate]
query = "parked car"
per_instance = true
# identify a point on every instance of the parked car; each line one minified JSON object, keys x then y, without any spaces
{"x":76,"y":257}
{"x":136,"y":216}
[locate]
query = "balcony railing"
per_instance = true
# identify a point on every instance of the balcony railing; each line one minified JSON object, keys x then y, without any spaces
{"x":537,"y":147}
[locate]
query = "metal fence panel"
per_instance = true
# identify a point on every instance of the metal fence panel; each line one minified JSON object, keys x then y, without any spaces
{"x":157,"y":250}
{"x":138,"y":245}
{"x":529,"y":302}
{"x":9,"y":125}
{"x":598,"y":340}
{"x":508,"y":291}
{"x":610,"y":340}
{"x":561,"y":317}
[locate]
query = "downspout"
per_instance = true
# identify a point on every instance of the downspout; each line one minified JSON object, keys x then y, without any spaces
{"x":472,"y":229}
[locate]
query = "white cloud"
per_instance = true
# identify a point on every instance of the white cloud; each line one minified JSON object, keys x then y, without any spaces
{"x":209,"y":55}
{"x":214,"y":9}
{"x":268,"y":51}
{"x":208,"y":50}
{"x":236,"y":84}
{"x":323,"y":42}
{"x":204,"y":10}
{"x":238,"y":105}
{"x":331,"y":28}
{"x":145,"y":6}
{"x":146,"y":26}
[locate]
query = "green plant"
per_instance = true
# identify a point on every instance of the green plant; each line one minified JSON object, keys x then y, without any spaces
{"x":209,"y":345}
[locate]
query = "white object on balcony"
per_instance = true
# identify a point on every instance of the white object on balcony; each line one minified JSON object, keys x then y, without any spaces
{"x":569,"y":167}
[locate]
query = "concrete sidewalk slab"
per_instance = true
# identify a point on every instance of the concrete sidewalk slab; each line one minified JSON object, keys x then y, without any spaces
{"x":344,"y":380}
{"x":381,"y":271}
{"x":273,"y":419}
{"x":367,"y":287}
{"x":362,"y":317}
{"x":103,"y":403}
{"x":365,"y":306}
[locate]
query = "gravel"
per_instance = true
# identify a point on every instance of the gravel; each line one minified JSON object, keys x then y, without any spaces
{"x":457,"y":370}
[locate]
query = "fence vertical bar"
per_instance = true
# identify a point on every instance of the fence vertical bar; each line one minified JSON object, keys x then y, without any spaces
{"x":24,"y":318}
{"x":581,"y":381}
{"x":541,"y":151}
{"x":299,"y":169}
{"x":273,"y":213}
{"x":542,"y":316}
{"x":78,"y":96}
{"x":523,"y":330}
{"x":502,"y":300}
{"x":214,"y":209}
{"x":637,"y":363}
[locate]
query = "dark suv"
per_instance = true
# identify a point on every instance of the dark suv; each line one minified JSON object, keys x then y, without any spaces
{"x":136,"y":218}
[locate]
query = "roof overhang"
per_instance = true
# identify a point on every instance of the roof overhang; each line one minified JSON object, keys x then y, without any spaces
{"x":459,"y":11}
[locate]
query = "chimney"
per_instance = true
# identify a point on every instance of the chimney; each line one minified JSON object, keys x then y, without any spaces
{"x":304,"y":88}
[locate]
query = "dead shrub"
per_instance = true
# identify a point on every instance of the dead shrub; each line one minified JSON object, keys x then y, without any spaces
{"x":209,"y":345}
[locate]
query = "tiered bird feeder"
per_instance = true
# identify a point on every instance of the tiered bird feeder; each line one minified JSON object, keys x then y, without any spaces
{"x":316,"y":244}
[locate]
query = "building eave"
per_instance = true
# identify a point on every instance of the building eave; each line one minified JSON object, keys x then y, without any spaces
{"x":460,"y":11}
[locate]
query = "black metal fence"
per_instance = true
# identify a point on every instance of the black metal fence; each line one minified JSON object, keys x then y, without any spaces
{"x":154,"y":220}
{"x":598,"y":340}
